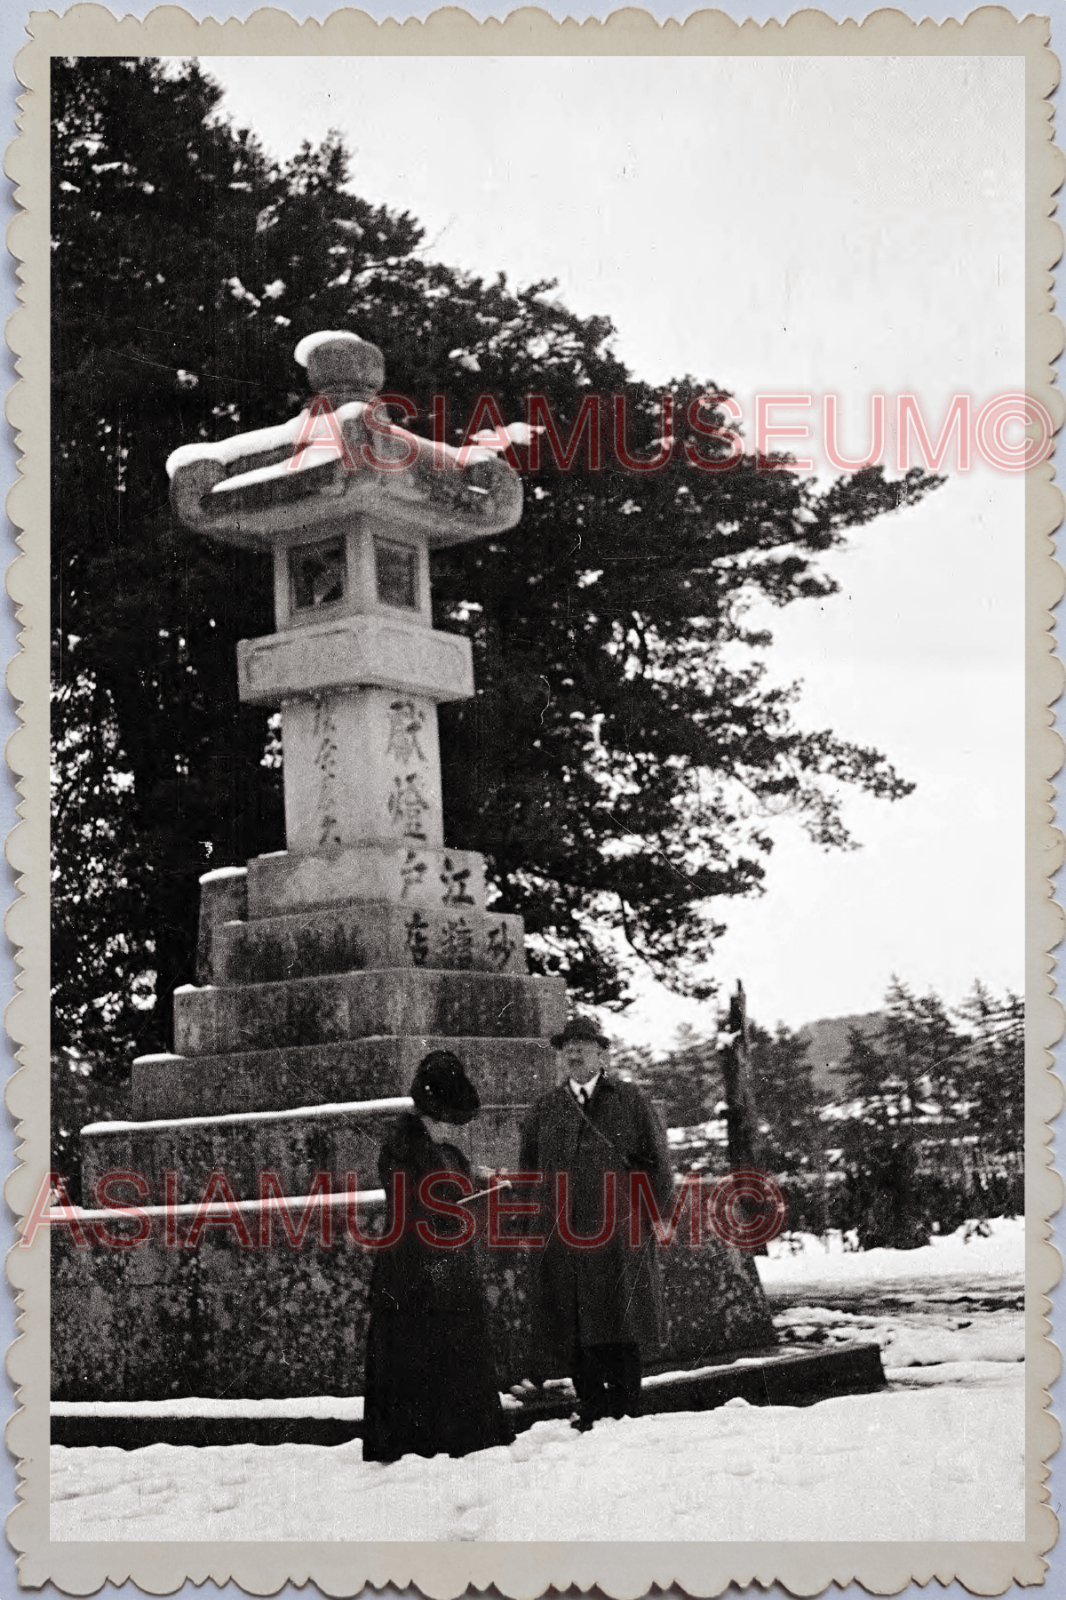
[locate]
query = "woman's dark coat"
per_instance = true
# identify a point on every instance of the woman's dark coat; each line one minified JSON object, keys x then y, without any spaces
{"x":610,"y":1295}
{"x":431,"y":1381}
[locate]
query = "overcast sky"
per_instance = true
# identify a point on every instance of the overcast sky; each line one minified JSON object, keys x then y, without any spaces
{"x":779,"y":226}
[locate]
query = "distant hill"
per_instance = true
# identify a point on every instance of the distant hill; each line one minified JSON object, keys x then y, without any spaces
{"x":827,"y":1045}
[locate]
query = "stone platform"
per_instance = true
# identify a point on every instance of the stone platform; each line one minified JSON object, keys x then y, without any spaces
{"x":296,"y":1146}
{"x":356,"y":1005}
{"x":219,"y":1320}
{"x":780,"y":1377}
{"x":296,"y":1046}
{"x":511,"y":1071}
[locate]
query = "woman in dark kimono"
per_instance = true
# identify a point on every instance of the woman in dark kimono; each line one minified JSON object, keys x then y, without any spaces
{"x":431,"y":1382}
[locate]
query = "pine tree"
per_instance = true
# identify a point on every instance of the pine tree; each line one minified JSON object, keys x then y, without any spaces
{"x":786,"y":1100}
{"x":686,"y":1078}
{"x":904,"y":1158}
{"x":994,"y":1083}
{"x":624,"y":748}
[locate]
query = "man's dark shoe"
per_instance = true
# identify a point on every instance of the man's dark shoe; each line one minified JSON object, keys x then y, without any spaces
{"x":583,"y":1424}
{"x":624,"y":1405}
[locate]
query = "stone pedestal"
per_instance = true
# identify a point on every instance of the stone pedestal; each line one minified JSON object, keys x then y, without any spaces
{"x":360,"y":766}
{"x":333,"y":1005}
{"x":222,"y":1322}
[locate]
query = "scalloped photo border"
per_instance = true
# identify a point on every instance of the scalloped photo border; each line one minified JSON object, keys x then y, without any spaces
{"x":517,"y":1570}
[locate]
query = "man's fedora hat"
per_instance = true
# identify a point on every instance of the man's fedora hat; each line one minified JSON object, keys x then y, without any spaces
{"x":442,"y":1090}
{"x":582,"y":1028}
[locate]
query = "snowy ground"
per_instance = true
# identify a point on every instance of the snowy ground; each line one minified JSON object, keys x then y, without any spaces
{"x":937,"y":1456}
{"x":952,"y":1262}
{"x":959,"y":1300}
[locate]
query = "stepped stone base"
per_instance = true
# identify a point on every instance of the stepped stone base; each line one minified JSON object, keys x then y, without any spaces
{"x":405,"y":874}
{"x":316,"y":997}
{"x":360,"y":936}
{"x":223,"y":898}
{"x":210,"y":1022}
{"x":297,"y":1149}
{"x":503,"y":1071}
{"x":218,"y":1321}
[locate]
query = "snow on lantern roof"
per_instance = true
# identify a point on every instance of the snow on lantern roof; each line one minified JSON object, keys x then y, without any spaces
{"x":331,"y":462}
{"x":312,"y":341}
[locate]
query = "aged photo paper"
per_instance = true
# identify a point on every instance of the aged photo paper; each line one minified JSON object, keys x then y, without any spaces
{"x":535,"y":921}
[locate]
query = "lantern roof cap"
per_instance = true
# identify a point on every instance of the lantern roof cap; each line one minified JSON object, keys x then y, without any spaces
{"x":341,"y":365}
{"x":263,"y":488}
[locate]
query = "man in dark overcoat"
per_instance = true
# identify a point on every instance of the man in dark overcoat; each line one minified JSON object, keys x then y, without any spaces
{"x":599,"y":1308}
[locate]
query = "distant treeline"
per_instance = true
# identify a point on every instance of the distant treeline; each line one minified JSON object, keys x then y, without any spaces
{"x":918,"y":1127}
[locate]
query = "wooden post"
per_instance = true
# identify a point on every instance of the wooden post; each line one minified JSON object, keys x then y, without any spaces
{"x":741,"y":1123}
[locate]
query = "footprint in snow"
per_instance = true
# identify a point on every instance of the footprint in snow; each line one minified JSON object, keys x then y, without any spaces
{"x":82,"y":1491}
{"x":472,"y":1525}
{"x":796,"y":1474}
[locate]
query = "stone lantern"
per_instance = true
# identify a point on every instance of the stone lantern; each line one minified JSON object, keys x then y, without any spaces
{"x":326,"y":971}
{"x":350,"y":513}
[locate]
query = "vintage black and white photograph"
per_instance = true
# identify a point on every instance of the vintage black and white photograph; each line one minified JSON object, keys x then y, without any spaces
{"x":538,"y":1007}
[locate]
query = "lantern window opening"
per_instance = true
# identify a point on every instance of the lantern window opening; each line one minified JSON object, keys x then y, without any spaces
{"x":318,"y":575}
{"x":396,"y":566}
